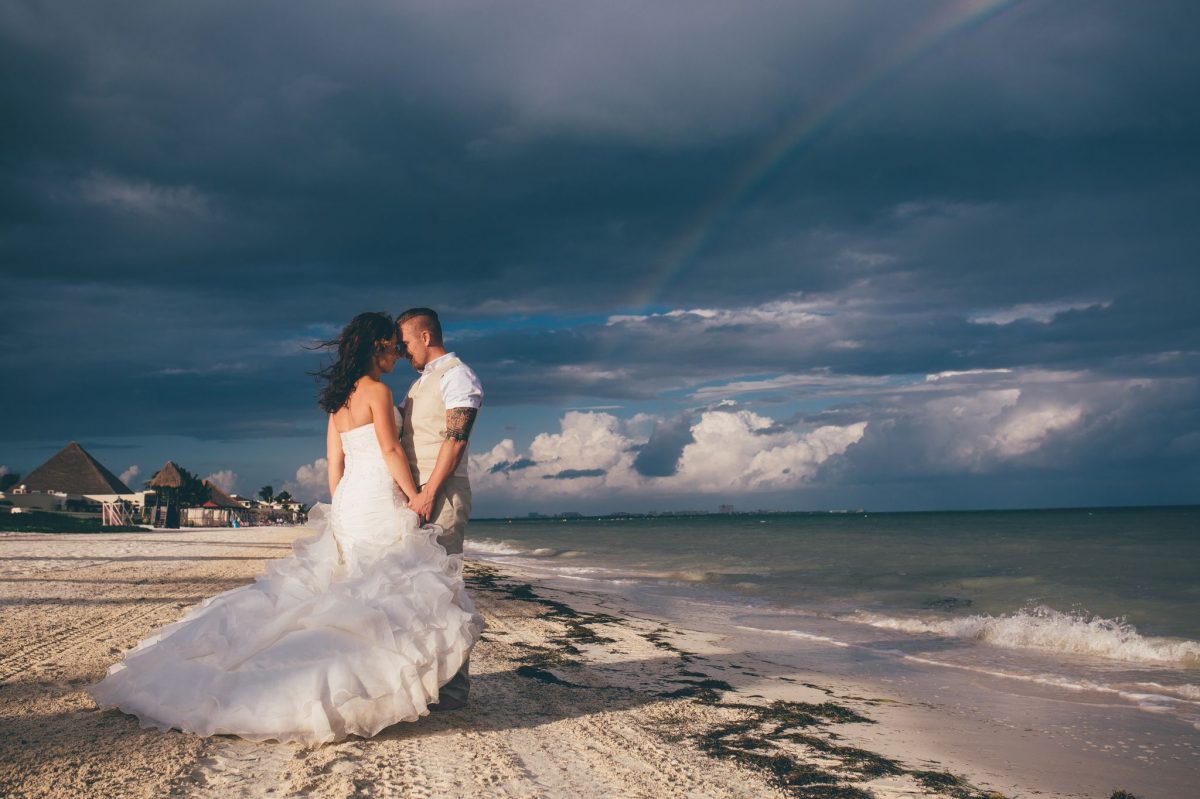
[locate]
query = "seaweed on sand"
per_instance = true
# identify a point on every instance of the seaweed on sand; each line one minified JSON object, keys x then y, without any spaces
{"x":481,"y":577}
{"x":487,"y":578}
{"x":705,"y":690}
{"x":539,"y":659}
{"x":534,"y":673}
{"x":755,"y":742}
{"x":658,"y":639}
{"x":545,"y":656}
{"x":765,"y":740}
{"x":950,"y":785}
{"x":739,"y":743}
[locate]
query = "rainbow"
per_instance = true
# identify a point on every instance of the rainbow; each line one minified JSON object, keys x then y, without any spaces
{"x":955,"y":17}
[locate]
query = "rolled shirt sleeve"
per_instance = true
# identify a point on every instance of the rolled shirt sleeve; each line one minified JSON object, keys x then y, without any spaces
{"x":461,"y":388}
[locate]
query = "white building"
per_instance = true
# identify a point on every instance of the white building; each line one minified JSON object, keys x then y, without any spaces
{"x":73,"y":481}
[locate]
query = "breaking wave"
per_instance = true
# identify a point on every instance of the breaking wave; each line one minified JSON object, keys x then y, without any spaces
{"x":1050,"y":630}
{"x":488,"y":548}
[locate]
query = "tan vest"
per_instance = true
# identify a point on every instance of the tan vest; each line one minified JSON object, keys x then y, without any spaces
{"x":423,"y":428}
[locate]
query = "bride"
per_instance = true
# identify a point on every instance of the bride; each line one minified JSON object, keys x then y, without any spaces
{"x":356,"y":631}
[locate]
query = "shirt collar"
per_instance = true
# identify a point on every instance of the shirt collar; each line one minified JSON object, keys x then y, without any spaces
{"x":429,"y":367}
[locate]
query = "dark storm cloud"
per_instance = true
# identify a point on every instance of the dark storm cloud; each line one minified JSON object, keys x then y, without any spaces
{"x":659,"y":456}
{"x":512,"y":466}
{"x":190,"y":194}
{"x":481,"y":150}
{"x":838,"y":343}
{"x":574,"y":474}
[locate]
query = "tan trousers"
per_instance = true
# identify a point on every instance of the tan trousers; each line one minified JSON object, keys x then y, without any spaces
{"x":451,"y":510}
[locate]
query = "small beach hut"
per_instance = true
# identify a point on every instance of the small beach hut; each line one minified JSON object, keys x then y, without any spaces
{"x":218,"y":509}
{"x":166,"y":484}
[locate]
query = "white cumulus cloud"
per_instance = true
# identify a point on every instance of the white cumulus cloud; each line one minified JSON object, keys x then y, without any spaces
{"x":130,"y":474}
{"x":980,"y":431}
{"x":987,"y":426}
{"x":311,"y":483}
{"x":741,"y":450}
{"x":1024,"y":431}
{"x":729,"y":450}
{"x":225,"y":480}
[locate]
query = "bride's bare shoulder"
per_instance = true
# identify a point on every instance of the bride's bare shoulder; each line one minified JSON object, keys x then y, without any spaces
{"x":373,"y":392}
{"x":371,"y":386}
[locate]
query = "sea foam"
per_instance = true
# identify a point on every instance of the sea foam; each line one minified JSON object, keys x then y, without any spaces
{"x":1185,"y":691}
{"x":1047,"y":629}
{"x":487,"y":547}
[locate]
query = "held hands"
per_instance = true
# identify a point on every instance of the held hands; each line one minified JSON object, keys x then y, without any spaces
{"x":422,"y":505}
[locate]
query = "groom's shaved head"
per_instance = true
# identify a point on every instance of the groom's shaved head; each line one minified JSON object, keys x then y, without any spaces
{"x":422,"y":320}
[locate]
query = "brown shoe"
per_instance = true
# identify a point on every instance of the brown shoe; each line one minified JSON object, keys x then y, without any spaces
{"x":447,"y":703}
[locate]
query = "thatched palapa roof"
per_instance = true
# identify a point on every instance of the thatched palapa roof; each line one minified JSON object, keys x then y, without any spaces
{"x":219,"y":498}
{"x":167,"y":477}
{"x":74,"y":471}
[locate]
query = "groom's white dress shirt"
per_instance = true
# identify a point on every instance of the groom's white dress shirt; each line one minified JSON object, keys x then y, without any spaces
{"x":460,"y":387}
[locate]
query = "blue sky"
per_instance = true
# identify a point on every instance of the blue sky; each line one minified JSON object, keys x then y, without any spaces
{"x":806,"y":255}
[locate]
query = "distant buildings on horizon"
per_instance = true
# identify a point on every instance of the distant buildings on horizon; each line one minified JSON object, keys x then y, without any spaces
{"x":722,"y":510}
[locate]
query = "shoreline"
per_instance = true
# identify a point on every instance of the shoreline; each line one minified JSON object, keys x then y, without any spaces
{"x":575,"y":694}
{"x":791,"y":735}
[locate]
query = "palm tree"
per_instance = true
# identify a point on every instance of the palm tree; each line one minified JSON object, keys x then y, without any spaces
{"x":266,"y":494}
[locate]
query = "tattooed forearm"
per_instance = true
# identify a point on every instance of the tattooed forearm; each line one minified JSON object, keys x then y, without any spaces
{"x":459,"y":422}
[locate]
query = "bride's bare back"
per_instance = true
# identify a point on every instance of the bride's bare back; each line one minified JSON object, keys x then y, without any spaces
{"x":359,"y":409}
{"x":369,"y":403}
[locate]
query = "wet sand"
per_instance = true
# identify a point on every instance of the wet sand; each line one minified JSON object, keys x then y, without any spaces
{"x":573,"y":695}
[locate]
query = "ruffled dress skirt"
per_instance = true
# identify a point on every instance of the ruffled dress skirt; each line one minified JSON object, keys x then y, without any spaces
{"x":356,"y":631}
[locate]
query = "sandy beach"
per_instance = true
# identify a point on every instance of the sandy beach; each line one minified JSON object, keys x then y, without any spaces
{"x":574,"y":695}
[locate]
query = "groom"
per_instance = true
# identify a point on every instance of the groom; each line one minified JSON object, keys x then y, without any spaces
{"x":439,"y":411}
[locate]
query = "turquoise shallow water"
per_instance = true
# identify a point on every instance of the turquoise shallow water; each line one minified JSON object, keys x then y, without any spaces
{"x":1139,"y":565}
{"x":1102,"y":604}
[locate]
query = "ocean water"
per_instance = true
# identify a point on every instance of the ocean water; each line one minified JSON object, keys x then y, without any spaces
{"x":1088,"y":602}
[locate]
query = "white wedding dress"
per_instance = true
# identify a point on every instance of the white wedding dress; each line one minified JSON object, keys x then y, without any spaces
{"x":356,"y":631}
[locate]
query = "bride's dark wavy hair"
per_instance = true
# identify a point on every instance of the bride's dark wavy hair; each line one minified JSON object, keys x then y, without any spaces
{"x":356,"y":345}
